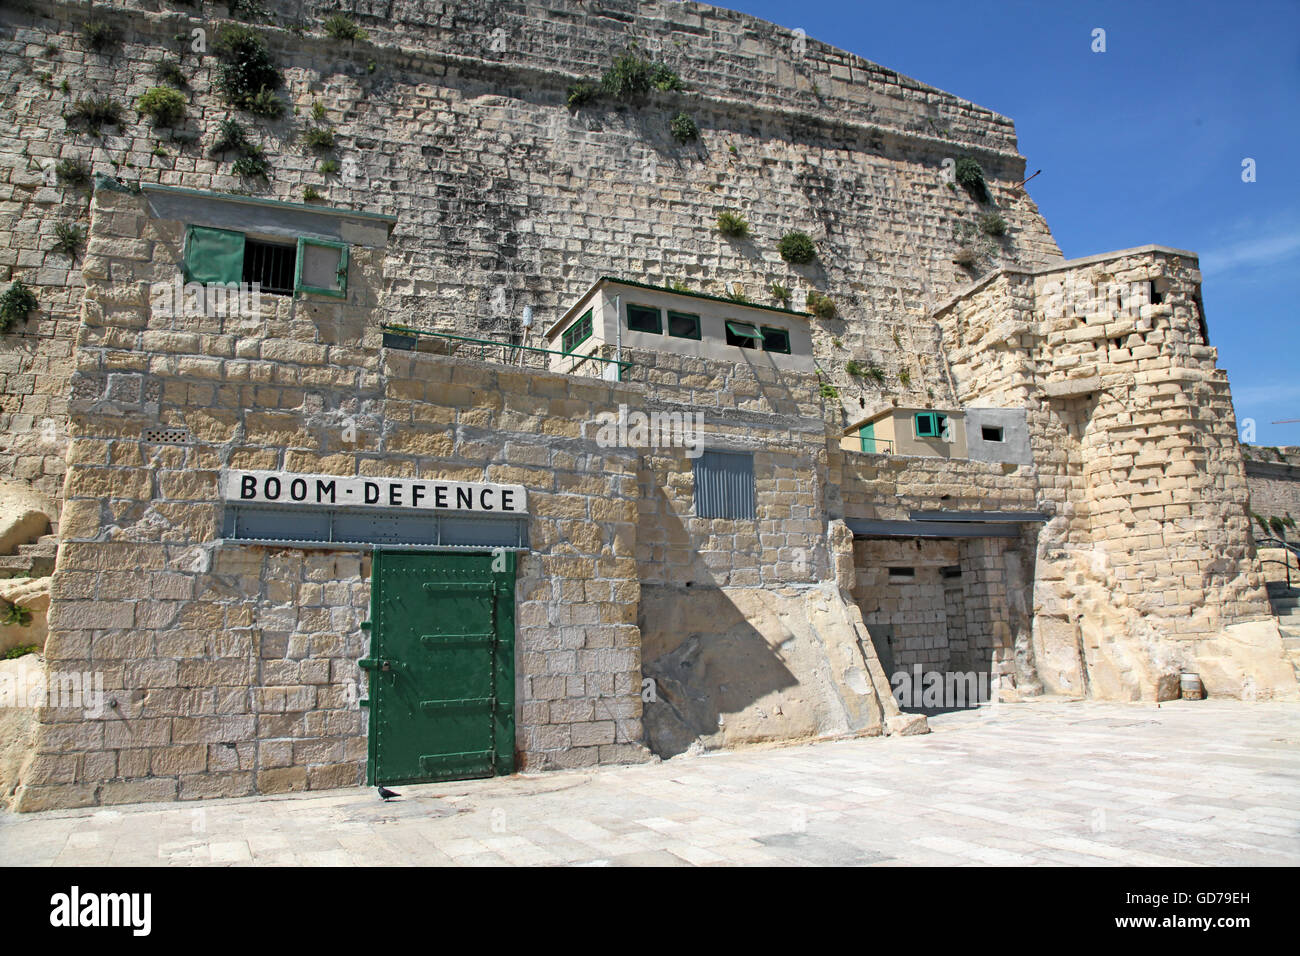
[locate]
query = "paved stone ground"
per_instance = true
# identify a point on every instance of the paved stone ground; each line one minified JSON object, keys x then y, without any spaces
{"x":1209,"y":782}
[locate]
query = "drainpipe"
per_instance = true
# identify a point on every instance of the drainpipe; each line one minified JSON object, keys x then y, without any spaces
{"x":618,"y":338}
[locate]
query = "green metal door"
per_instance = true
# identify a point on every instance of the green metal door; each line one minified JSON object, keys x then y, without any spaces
{"x":867,"y":435}
{"x":442,"y":674}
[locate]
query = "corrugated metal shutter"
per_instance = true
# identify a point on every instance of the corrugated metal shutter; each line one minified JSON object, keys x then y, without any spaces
{"x":724,"y":485}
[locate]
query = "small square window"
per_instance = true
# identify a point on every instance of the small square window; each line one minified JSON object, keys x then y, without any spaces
{"x":902,"y":572}
{"x":271,"y":265}
{"x":683,"y":325}
{"x":743,"y":335}
{"x":776,"y":340}
{"x":929,"y":425}
{"x":642,"y":318}
{"x":991,"y":433}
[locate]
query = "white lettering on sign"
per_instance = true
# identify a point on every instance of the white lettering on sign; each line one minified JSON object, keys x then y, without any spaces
{"x":419,"y":494}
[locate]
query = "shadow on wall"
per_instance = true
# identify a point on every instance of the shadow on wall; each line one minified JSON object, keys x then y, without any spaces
{"x":718,"y":678}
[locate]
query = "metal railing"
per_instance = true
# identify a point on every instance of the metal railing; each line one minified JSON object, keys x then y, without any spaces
{"x":888,"y":444}
{"x":511,"y":353}
{"x":1289,"y":551}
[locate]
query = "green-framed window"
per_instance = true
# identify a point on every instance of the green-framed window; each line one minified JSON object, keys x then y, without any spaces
{"x":577,"y":333}
{"x":776,"y":340}
{"x":743,"y":335}
{"x":683,"y":325}
{"x":645,"y":318}
{"x":930,"y":424}
{"x":224,"y":256}
{"x":213,"y":255}
{"x":322,"y":267}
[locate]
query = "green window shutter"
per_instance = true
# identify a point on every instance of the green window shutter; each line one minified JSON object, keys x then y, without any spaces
{"x":322,"y":268}
{"x":743,"y":331}
{"x":213,"y":255}
{"x":929,"y":425}
{"x":867,"y":435}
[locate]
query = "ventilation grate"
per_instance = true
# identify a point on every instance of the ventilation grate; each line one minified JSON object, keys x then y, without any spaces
{"x":166,"y":436}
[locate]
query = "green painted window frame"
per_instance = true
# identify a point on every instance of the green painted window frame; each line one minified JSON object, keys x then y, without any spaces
{"x":582,"y":323}
{"x":342,"y":247}
{"x":199,"y":268}
{"x":746,"y":331}
{"x":936,"y":422}
{"x":659,"y":318}
{"x":673,"y":314}
{"x":785,"y":336}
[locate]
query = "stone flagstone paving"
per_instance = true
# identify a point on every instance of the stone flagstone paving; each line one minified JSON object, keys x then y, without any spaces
{"x":1054,"y":782}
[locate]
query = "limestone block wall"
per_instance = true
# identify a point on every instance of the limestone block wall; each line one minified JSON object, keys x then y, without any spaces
{"x":452,"y":116}
{"x":231,"y":668}
{"x":1148,"y":559}
{"x":1273,"y":481}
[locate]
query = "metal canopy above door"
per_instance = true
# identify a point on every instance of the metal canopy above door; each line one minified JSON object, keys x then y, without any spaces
{"x":353,"y":528}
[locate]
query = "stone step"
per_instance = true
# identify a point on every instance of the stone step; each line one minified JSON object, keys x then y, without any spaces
{"x":40,"y":547}
{"x":26,"y":565}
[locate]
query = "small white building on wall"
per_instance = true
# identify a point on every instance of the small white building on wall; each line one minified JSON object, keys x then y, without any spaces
{"x":617,"y":314}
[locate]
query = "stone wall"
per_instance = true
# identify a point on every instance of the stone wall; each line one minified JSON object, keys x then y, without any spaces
{"x":1273,"y":480}
{"x":1148,"y":564}
{"x":452,"y":117}
{"x":232,"y":669}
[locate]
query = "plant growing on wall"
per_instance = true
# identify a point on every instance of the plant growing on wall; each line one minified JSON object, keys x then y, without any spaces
{"x":163,"y":105}
{"x":630,"y":78}
{"x":970,"y":175}
{"x":684,"y":128}
{"x":732,"y":224}
{"x":169,"y":72}
{"x":797,"y":248}
{"x":318,"y":139}
{"x":247,"y":75}
{"x":16,"y":303}
{"x":341,"y":28}
{"x":68,"y":239}
{"x":72,"y":172}
{"x":821,"y":305}
{"x":992,"y":224}
{"x":95,"y":112}
{"x":781,"y":293}
{"x":905,"y":378}
{"x":328,"y":167}
{"x":581,"y":93}
{"x":252,"y":164}
{"x":98,"y":35}
{"x":250,"y":11}
{"x":22,"y":650}
{"x":312,"y":194}
{"x":13,"y":614}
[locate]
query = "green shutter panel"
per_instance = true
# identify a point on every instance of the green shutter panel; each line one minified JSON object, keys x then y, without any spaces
{"x":213,"y":255}
{"x":322,"y":268}
{"x":744,"y":331}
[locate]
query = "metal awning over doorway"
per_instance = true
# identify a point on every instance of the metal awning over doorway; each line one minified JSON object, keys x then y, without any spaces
{"x":947,"y":524}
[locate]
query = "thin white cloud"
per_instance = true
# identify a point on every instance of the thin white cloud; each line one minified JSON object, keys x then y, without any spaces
{"x":1264,"y":394}
{"x":1253,"y":253}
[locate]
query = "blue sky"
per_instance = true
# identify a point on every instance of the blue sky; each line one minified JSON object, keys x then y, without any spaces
{"x":1142,"y":143}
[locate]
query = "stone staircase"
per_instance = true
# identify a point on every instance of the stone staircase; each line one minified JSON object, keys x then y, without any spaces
{"x":34,"y":559}
{"x":1286,"y":605}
